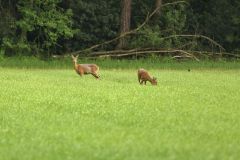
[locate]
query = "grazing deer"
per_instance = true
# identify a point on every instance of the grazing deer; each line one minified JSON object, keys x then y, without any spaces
{"x":85,"y":68}
{"x":143,"y":76}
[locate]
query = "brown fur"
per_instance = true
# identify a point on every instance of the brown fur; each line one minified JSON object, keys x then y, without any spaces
{"x":143,"y":77}
{"x":82,"y":69}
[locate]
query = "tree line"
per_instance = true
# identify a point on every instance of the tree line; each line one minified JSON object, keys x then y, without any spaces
{"x":43,"y":28}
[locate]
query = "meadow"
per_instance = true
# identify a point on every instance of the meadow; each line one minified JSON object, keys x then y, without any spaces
{"x":52,"y":113}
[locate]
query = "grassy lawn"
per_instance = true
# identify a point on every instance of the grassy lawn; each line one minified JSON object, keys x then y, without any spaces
{"x":55,"y":114}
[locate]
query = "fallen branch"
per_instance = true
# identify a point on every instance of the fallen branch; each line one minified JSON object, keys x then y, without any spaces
{"x":148,"y":17}
{"x":144,"y":51}
{"x":122,"y":53}
{"x":197,"y":36}
{"x":182,"y":52}
{"x":138,"y":51}
{"x":98,"y":53}
{"x":206,"y":53}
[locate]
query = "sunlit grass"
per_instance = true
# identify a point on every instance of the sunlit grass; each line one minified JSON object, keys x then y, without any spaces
{"x":55,"y":114}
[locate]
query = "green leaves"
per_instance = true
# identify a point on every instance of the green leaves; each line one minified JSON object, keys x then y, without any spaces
{"x":41,"y":25}
{"x":217,"y":19}
{"x":57,"y":26}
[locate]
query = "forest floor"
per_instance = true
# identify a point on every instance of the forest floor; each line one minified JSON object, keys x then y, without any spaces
{"x":55,"y":114}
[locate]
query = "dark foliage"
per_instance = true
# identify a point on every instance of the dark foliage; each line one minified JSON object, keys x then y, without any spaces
{"x":43,"y":28}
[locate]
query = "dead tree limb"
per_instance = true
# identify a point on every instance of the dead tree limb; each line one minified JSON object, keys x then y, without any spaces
{"x":148,"y":17}
{"x":98,"y":53}
{"x":122,"y":53}
{"x":174,"y":53}
{"x":206,"y":53}
{"x":182,"y":52}
{"x":198,"y":36}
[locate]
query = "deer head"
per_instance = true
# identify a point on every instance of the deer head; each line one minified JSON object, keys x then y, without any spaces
{"x":154,"y":81}
{"x":74,"y":59}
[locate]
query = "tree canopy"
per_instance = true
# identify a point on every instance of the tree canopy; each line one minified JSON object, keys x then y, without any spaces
{"x":43,"y":28}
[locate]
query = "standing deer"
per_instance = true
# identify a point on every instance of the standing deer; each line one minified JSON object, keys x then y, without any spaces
{"x":85,"y":68}
{"x":143,"y":76}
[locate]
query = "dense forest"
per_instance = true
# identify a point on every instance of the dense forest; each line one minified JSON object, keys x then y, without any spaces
{"x":58,"y":27}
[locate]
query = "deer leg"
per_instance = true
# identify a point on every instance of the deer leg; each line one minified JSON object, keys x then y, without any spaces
{"x":145,"y":82}
{"x":95,"y":75}
{"x":80,"y":73}
{"x":139,"y":79}
{"x":141,"y":82}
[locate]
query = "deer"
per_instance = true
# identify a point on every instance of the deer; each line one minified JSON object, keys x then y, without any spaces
{"x":82,"y":69}
{"x":143,"y":77}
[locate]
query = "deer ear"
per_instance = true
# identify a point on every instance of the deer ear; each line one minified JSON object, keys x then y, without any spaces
{"x":77,"y":56}
{"x":72,"y":56}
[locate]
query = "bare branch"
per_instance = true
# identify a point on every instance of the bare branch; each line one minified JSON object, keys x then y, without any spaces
{"x":148,"y":17}
{"x":197,"y":36}
{"x":206,"y":53}
{"x":182,"y":52}
{"x":122,"y":53}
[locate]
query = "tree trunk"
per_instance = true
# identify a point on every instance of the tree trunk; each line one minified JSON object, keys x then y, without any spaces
{"x":125,"y":21}
{"x":158,"y":4}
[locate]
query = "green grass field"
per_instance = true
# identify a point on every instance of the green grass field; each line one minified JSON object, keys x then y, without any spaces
{"x":54,"y":114}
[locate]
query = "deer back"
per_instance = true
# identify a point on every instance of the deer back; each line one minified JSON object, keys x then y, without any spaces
{"x":143,"y":74}
{"x":88,"y":68}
